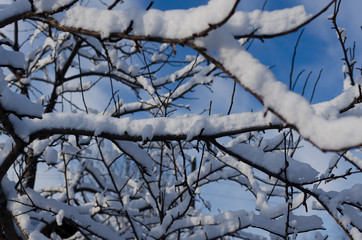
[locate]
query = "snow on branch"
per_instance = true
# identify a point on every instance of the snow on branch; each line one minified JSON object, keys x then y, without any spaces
{"x":154,"y":23}
{"x":10,"y":102}
{"x":12,"y":59}
{"x":327,"y":134}
{"x":184,"y":127}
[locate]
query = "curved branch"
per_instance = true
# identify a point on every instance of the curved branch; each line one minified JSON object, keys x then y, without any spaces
{"x":23,"y":11}
{"x":16,"y":149}
{"x":267,"y":36}
{"x":126,"y":33}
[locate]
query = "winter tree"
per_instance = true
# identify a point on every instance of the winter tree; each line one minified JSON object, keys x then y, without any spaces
{"x":105,"y":95}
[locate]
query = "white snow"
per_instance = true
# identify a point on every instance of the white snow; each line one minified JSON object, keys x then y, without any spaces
{"x":274,"y":162}
{"x":354,"y":159}
{"x":36,"y":235}
{"x":12,"y":58}
{"x":6,"y":149}
{"x":145,"y":84}
{"x":59,"y":217}
{"x":147,"y":133}
{"x":74,"y":86}
{"x":50,"y":5}
{"x":158,"y":57}
{"x":153,"y":22}
{"x":15,"y":8}
{"x":188,"y":125}
{"x":50,"y":156}
{"x":11,"y":101}
{"x":343,"y":34}
{"x":265,"y":22}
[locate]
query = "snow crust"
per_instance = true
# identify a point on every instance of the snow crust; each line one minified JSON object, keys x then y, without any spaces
{"x":74,"y":86}
{"x":153,"y":22}
{"x":6,"y":149}
{"x":50,"y":5}
{"x":59,"y":217}
{"x":274,"y":162}
{"x":11,"y":58}
{"x":15,"y":8}
{"x":165,"y":24}
{"x":266,"y":22}
{"x":50,"y":155}
{"x":11,"y":101}
{"x":187,"y":125}
{"x":36,"y":235}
